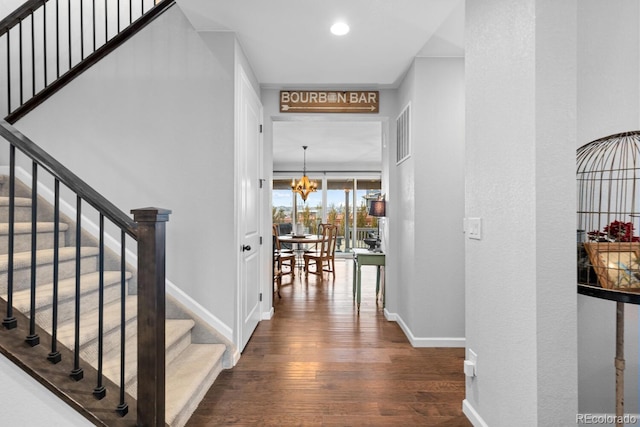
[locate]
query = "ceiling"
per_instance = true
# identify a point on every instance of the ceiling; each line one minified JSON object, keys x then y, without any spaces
{"x":289,"y":46}
{"x":333,"y":145}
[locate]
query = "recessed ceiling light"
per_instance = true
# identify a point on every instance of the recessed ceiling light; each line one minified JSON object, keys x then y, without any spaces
{"x":339,"y":28}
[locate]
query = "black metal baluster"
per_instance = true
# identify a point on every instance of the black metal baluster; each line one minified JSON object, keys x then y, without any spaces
{"x":55,"y":356}
{"x":122,"y":408}
{"x":44,"y":43}
{"x":100,"y":391}
{"x":10,"y":321}
{"x":69,"y":22}
{"x":94,"y":26}
{"x":8,"y":72}
{"x":130,"y":11}
{"x":33,"y":339}
{"x":33,"y":56}
{"x":57,"y":39}
{"x":106,"y":22}
{"x":81,"y":30}
{"x":20,"y":62}
{"x":77,"y":373}
{"x":118,"y":19}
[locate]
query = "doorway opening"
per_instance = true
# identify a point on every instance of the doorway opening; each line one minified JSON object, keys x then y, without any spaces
{"x":344,"y":158}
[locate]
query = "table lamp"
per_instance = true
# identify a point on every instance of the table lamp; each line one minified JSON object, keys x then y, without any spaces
{"x":378,"y":209}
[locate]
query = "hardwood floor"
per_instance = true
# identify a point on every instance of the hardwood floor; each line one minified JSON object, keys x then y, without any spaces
{"x":316,"y":363}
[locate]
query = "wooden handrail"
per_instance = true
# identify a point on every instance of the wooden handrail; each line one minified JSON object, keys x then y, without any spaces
{"x":68,"y":178}
{"x":19,"y":14}
{"x":26,"y":9}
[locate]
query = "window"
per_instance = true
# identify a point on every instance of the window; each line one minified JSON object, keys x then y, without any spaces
{"x":345,"y":205}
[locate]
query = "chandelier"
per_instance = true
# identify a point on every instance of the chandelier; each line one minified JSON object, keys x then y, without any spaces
{"x":304,"y":186}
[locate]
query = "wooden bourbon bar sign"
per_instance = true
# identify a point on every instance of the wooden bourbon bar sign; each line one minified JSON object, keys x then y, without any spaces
{"x":329,"y":101}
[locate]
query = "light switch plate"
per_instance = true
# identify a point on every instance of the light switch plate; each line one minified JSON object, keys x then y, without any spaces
{"x":474,"y":228}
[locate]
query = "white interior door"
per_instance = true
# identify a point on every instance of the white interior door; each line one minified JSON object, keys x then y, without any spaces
{"x":249,"y":162}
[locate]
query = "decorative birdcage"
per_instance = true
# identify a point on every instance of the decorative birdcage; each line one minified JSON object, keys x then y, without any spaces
{"x":608,"y":174}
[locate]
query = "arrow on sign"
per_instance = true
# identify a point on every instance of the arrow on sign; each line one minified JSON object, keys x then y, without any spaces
{"x":286,"y":107}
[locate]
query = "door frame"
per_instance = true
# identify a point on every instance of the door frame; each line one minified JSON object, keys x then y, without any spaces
{"x":273,"y":116}
{"x":241,"y":76}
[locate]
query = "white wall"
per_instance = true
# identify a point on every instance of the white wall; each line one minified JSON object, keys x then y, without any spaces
{"x":44,"y":408}
{"x":608,"y":103}
{"x":152,"y":125}
{"x":429,"y":187}
{"x":402,"y":238}
{"x":520,"y":180}
{"x":8,"y":6}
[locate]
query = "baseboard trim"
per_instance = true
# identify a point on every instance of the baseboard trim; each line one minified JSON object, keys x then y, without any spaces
{"x":472,"y":415}
{"x":199,"y":310}
{"x":267,"y":315}
{"x":235,"y":356}
{"x":391,"y":317}
{"x":131,"y":258}
{"x":424,"y":342}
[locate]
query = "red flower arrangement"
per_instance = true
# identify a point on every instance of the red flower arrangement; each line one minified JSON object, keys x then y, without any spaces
{"x":617,"y":231}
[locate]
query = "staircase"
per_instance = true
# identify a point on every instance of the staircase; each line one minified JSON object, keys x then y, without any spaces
{"x":95,"y":343}
{"x":191,"y":367}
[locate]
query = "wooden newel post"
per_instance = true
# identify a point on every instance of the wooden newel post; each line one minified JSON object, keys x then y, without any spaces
{"x":151,"y":315}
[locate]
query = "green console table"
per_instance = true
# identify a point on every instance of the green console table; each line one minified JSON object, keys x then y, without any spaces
{"x":366,"y":257}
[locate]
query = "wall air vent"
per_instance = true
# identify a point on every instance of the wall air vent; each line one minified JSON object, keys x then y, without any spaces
{"x":403,"y":131}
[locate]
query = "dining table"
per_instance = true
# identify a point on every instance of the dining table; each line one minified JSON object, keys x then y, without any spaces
{"x":302,"y":238}
{"x":301,"y":241}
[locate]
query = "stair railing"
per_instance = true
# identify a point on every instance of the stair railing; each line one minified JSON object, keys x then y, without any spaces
{"x":148,"y":229}
{"x":48,"y":43}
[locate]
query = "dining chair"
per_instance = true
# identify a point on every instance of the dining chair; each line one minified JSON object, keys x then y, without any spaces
{"x":332,"y":250}
{"x":275,"y":267}
{"x":281,"y":247}
{"x":324,"y":254}
{"x":319,"y":231}
{"x":286,"y":257}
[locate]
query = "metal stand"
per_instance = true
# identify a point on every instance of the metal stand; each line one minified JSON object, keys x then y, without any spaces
{"x":621,"y":298}
{"x":619,"y":363}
